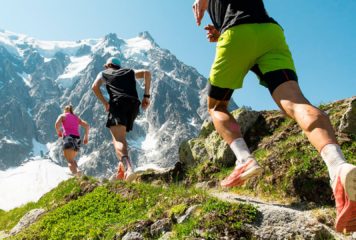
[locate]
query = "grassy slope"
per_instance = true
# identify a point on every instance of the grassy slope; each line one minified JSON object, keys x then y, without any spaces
{"x":79,"y":209}
{"x":293,"y":171}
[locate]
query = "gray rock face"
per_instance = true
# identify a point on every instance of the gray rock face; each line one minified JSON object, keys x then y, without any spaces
{"x":209,"y":145}
{"x":133,"y":236}
{"x":280,"y":222}
{"x":161,"y":226}
{"x":3,"y":235}
{"x":45,"y":118}
{"x":27,"y":220}
{"x":187,"y":214}
{"x":348,"y":120}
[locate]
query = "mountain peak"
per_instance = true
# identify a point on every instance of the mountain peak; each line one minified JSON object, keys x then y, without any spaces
{"x":148,"y":36}
{"x":113,"y":40}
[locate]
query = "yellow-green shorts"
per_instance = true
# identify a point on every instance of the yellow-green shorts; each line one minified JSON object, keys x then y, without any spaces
{"x":259,"y":47}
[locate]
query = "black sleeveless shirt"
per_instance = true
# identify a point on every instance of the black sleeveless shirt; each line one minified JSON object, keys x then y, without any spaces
{"x":120,"y":83}
{"x":228,"y":13}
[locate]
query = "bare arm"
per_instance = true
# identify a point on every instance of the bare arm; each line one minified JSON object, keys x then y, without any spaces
{"x":146,"y":75}
{"x":85,"y":125}
{"x":199,"y":8}
{"x":58,"y":125}
{"x":96,"y":89}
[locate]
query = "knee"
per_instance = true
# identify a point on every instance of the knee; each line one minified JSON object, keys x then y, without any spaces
{"x":217,"y":107}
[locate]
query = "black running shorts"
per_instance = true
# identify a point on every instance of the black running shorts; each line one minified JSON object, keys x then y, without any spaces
{"x":71,"y":142}
{"x":123,"y":112}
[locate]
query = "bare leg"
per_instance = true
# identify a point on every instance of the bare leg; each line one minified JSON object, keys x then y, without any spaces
{"x":315,"y":123}
{"x":118,"y":134}
{"x":228,"y":128}
{"x":318,"y":129}
{"x":225,"y":124}
{"x":70,"y":155}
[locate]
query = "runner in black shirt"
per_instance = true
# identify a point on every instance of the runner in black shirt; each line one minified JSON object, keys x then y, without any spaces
{"x":122,"y":107}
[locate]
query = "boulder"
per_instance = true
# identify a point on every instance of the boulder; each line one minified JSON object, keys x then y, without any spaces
{"x":27,"y":220}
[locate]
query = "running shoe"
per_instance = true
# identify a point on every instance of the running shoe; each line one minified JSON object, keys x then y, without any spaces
{"x":130,"y":175}
{"x":120,"y":171}
{"x":345,"y":199}
{"x":241,"y":173}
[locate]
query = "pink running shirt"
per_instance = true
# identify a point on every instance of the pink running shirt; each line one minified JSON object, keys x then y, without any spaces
{"x":70,"y":125}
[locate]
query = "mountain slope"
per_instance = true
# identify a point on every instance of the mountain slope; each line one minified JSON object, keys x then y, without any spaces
{"x":37,"y":78}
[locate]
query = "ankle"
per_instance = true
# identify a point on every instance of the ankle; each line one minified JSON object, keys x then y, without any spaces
{"x":241,"y":151}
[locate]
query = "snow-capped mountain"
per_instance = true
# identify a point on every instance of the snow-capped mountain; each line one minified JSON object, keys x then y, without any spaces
{"x":37,"y":78}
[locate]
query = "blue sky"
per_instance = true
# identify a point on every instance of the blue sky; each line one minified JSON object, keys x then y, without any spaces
{"x":321,"y":35}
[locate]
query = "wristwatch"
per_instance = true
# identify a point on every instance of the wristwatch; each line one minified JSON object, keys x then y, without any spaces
{"x":146,"y":95}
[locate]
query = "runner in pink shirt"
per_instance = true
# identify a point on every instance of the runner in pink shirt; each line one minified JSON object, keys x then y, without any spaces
{"x":71,"y":136}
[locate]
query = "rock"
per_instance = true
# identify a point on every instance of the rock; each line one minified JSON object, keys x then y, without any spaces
{"x":133,"y":236}
{"x":166,"y":236}
{"x":210,"y":146}
{"x":27,"y":220}
{"x":348,"y":120}
{"x":3,"y":235}
{"x":161,"y":226}
{"x":187,"y":214}
{"x":279,"y":222}
{"x":206,"y":184}
{"x":157,"y":175}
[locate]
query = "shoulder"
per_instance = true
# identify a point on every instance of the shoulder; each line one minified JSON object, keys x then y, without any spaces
{"x":99,"y":76}
{"x":61,"y":117}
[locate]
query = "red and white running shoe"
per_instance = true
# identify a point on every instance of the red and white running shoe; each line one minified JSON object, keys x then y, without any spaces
{"x":241,"y":173}
{"x":344,"y":189}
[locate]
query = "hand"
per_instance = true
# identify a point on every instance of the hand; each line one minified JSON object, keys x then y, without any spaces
{"x":86,"y":139}
{"x":212,"y":33}
{"x":60,"y":134}
{"x":199,"y":7}
{"x":106,"y":106}
{"x":145,"y":103}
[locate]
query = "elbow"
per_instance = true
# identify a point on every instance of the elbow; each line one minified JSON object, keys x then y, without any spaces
{"x":147,"y":73}
{"x":93,"y":87}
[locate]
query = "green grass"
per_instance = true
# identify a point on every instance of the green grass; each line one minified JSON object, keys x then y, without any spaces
{"x":112,"y":209}
{"x":50,"y":200}
{"x":216,"y":218}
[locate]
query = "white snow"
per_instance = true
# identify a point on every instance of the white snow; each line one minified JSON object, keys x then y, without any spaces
{"x":26,"y":78}
{"x":193,"y":122}
{"x":86,"y":158}
{"x":38,"y":148}
{"x":137,"y":44}
{"x":6,"y":40}
{"x":149,"y":143}
{"x":27,"y":183}
{"x":111,"y":50}
{"x":136,"y":49}
{"x":172,"y":75}
{"x":77,"y":65}
{"x":47,"y":49}
{"x":150,"y":166}
{"x":9,"y":140}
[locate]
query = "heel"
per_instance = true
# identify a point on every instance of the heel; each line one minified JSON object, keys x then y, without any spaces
{"x":350,"y":184}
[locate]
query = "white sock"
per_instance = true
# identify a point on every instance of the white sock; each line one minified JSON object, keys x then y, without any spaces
{"x":333,"y":157}
{"x":241,"y":151}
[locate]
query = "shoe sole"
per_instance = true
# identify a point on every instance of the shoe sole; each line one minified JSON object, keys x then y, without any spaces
{"x":252,"y":172}
{"x":131,"y":177}
{"x":346,"y":221}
